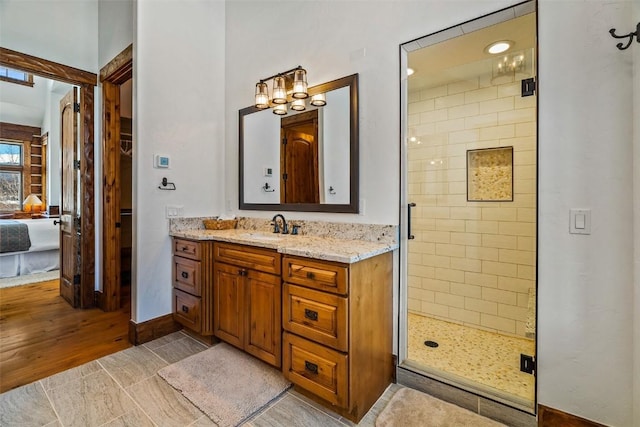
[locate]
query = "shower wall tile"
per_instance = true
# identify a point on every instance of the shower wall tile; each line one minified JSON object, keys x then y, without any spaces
{"x":474,"y":255}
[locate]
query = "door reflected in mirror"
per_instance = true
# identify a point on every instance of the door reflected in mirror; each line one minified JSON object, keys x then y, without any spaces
{"x":304,"y":161}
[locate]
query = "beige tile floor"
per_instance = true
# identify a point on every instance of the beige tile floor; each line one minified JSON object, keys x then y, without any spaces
{"x":490,"y":360}
{"x":123,"y":389}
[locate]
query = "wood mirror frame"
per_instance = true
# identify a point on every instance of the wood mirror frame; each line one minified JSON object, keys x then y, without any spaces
{"x":352,"y":207}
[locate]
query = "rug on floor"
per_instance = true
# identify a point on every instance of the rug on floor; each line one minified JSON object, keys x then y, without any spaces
{"x":225,"y":383}
{"x":412,"y":408}
{"x":9,"y":282}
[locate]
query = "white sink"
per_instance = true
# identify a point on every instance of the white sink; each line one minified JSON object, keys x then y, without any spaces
{"x":262,"y":236}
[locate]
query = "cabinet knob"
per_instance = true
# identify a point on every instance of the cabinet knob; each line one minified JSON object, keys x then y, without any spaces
{"x":242,"y":272}
{"x":185,"y":275}
{"x":311,"y":367}
{"x":310,"y":275}
{"x":311,"y":315}
{"x":184,"y":248}
{"x":185,"y":309}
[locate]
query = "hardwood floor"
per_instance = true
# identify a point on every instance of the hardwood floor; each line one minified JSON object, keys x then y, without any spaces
{"x":41,"y":334}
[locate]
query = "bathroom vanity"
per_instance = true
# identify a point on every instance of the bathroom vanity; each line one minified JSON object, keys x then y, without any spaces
{"x":318,"y":307}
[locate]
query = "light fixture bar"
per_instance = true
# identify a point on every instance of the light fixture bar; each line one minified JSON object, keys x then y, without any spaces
{"x":283,"y":73}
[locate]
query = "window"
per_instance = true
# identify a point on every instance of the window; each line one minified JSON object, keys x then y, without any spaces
{"x":15,"y":76}
{"x":11,"y":167}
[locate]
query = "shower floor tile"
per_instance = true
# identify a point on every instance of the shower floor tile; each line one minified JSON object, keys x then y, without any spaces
{"x":488,"y":359}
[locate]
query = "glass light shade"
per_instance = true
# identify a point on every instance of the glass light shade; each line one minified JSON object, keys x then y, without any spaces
{"x":319,"y":100}
{"x":262,"y":95}
{"x":298,"y":105}
{"x":280,"y":109}
{"x":279,"y":91}
{"x":32,"y":203}
{"x":300,"y":84}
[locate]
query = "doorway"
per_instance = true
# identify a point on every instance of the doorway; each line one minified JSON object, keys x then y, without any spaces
{"x":469,"y":174}
{"x":299,"y":159}
{"x":117,"y":161}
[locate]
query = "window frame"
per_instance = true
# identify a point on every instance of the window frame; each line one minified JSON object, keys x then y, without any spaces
{"x":28,"y":81}
{"x":15,"y":168}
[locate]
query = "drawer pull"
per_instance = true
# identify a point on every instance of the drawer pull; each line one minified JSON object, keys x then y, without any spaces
{"x":185,"y":275}
{"x":310,"y":275}
{"x":242,"y":272}
{"x":184,"y":248}
{"x":311,"y":367}
{"x":311,"y":315}
{"x":185,"y":309}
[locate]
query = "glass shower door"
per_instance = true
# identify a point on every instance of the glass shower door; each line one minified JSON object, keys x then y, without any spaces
{"x":469,"y":181}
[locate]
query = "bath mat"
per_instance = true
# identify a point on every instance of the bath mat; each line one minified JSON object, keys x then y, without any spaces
{"x":411,"y":408}
{"x":225,"y":383}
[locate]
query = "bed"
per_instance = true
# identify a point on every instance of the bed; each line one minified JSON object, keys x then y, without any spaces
{"x":28,"y":246}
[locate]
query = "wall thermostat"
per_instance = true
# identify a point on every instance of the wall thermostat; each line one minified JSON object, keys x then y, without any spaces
{"x":161,"y":161}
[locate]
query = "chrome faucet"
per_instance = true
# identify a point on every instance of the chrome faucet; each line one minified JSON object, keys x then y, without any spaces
{"x":276,"y":227}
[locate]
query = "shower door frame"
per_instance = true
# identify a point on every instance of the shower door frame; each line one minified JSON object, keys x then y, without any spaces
{"x":493,"y":18}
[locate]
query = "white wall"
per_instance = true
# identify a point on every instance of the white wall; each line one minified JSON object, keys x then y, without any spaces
{"x":115,"y":28}
{"x":636,"y":217}
{"x":63,"y":31}
{"x":585,"y":283}
{"x":179,"y":110}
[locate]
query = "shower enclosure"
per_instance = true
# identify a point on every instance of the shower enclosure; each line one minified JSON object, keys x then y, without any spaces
{"x":469,"y":174}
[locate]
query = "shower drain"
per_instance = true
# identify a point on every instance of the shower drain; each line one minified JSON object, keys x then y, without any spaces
{"x":431,"y":344}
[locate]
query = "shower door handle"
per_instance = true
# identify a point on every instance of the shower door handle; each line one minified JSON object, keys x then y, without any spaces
{"x":409,"y":235}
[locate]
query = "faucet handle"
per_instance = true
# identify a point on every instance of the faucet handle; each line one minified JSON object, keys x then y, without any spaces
{"x":276,"y":227}
{"x":294,"y":229}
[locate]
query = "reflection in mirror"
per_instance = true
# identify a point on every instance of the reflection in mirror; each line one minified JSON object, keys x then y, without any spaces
{"x":304,"y":161}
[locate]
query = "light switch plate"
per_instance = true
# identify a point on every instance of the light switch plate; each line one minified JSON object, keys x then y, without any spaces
{"x":580,"y":221}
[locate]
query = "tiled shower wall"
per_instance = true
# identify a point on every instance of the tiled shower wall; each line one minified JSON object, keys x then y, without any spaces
{"x":472,"y":262}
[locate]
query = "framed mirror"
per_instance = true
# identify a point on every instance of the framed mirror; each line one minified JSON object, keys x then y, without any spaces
{"x":303,"y":161}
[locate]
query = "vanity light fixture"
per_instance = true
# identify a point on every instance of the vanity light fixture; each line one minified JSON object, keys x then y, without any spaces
{"x":290,"y":84}
{"x":319,"y":100}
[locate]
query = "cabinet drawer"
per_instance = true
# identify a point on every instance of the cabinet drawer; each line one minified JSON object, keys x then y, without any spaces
{"x":186,"y":310}
{"x":186,"y":275}
{"x":316,"y":368}
{"x":186,"y":248}
{"x":265,"y":260}
{"x":316,"y":315}
{"x":322,"y":275}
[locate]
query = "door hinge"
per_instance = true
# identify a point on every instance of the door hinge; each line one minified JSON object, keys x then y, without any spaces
{"x":528,"y":87}
{"x":284,"y":176}
{"x":76,"y":164}
{"x":284,"y":141}
{"x":76,"y":107}
{"x":527,"y":364}
{"x":76,"y":279}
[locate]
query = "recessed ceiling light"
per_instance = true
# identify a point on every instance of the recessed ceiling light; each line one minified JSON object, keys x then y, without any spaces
{"x":410,"y":71}
{"x":499,"y":47}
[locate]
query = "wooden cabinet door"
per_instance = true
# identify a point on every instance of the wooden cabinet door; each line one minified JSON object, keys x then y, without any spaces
{"x":228,"y":297}
{"x":263,"y":316}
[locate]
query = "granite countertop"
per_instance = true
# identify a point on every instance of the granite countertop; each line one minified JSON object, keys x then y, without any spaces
{"x":318,"y":247}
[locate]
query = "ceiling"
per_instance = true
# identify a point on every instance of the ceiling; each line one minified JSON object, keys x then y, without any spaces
{"x":464,"y":56}
{"x":26,"y":105}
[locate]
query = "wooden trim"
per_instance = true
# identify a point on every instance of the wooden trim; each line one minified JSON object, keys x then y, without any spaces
{"x":16,"y":132}
{"x":140,"y":333}
{"x":44,"y":68}
{"x":550,"y":417}
{"x":120,"y":68}
{"x":112,"y":75}
{"x":87,"y":244}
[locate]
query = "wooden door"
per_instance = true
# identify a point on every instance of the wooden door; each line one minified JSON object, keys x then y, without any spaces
{"x":69,"y":218}
{"x":263,"y":317}
{"x":111,"y":222}
{"x":299,"y":159}
{"x":228,"y":297}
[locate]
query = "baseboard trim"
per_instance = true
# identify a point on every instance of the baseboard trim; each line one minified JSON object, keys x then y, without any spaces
{"x":140,"y":333}
{"x":550,"y":417}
